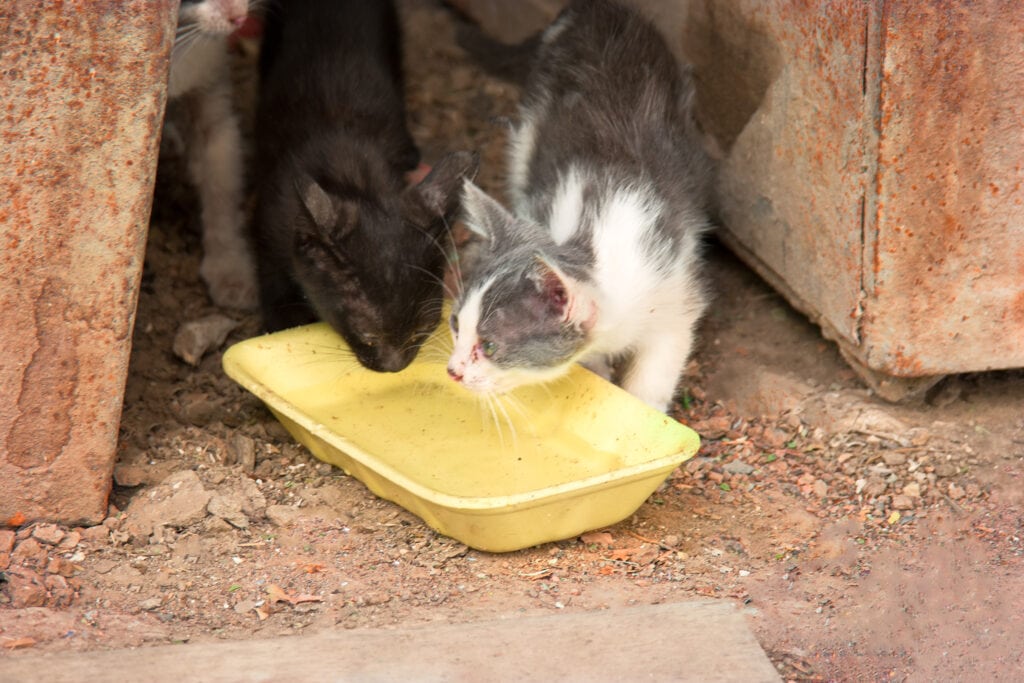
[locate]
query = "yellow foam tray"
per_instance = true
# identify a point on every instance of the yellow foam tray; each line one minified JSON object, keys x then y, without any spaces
{"x":547,"y":463}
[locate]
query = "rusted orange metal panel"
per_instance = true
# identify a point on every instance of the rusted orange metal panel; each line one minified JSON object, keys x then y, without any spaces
{"x":83,"y":98}
{"x":874,"y":167}
{"x":946,"y":279}
{"x":782,"y":88}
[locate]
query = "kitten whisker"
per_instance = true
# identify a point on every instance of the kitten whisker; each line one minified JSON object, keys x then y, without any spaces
{"x":186,"y":40}
{"x":452,"y":259}
{"x":450,"y":262}
{"x":486,"y":400}
{"x":514,"y":402}
{"x":499,"y":400}
{"x":432,"y":308}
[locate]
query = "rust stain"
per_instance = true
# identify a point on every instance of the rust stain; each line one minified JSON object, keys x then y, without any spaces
{"x":46,"y":396}
{"x":904,"y":364}
{"x":1017,"y":310}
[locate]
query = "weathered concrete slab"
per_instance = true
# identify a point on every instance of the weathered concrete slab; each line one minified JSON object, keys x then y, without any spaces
{"x":83,"y":97}
{"x":704,"y":642}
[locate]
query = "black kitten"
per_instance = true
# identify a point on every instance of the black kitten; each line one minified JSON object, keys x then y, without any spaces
{"x":338,"y":234}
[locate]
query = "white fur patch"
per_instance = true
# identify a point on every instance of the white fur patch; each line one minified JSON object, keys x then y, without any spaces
{"x":620,"y":233}
{"x":521,"y":147}
{"x":465,"y":339}
{"x":555,"y":29}
{"x":199,"y":57}
{"x":567,"y":207}
{"x":650,"y":301}
{"x":200,"y":64}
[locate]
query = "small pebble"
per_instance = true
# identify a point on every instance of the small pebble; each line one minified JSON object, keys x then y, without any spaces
{"x":6,"y":540}
{"x":902,"y":502}
{"x":894,"y":458}
{"x":245,"y":606}
{"x":738,"y":467}
{"x":196,"y":337}
{"x":913,"y":489}
{"x":874,"y":487}
{"x":150,"y":604}
{"x":70,"y":540}
{"x":242,"y":450}
{"x":50,"y":534}
{"x":98,"y":533}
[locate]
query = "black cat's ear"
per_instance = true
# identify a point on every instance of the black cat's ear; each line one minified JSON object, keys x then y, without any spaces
{"x":332,"y":217}
{"x":437,"y":195}
{"x":318,"y":203}
{"x":483,"y":215}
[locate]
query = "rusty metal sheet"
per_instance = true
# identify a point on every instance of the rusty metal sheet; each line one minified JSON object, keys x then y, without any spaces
{"x":83,"y":97}
{"x":946,"y":277}
{"x":874,"y":159}
{"x":781,"y":86}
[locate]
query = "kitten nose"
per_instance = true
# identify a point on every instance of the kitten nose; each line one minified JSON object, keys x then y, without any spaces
{"x":239,"y":21}
{"x":454,"y":374}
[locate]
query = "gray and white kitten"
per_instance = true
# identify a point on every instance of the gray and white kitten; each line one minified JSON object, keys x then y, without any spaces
{"x":599,"y":260}
{"x":201,"y":82}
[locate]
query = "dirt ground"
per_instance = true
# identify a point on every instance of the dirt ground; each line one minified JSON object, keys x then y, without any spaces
{"x":863,"y":541}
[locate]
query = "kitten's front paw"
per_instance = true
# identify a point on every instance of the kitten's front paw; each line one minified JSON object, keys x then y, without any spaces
{"x":599,"y":365}
{"x":231,"y":282}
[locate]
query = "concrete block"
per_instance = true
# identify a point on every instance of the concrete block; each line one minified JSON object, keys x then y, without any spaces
{"x":698,"y":642}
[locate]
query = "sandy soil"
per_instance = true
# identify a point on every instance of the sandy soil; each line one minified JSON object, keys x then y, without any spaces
{"x":864,"y":541}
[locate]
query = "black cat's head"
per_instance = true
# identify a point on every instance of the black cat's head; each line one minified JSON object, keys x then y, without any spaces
{"x":372,"y":264}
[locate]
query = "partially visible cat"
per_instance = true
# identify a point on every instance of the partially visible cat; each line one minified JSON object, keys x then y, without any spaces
{"x":200,"y":81}
{"x":338,"y":234}
{"x":609,"y":184}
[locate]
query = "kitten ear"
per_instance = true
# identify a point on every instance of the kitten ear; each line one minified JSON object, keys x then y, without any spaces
{"x":321,"y":207}
{"x":552,"y":285}
{"x":438,"y":193}
{"x":332,"y":217}
{"x":482,"y":214}
{"x":562,"y":295}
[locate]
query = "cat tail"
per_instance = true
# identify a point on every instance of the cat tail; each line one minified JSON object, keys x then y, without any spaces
{"x":510,"y":63}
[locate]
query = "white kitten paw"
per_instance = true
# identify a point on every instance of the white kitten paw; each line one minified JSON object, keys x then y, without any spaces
{"x":598,"y":365}
{"x":231,"y":282}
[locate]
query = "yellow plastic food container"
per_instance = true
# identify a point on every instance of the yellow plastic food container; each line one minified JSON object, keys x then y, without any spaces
{"x":542,"y":464}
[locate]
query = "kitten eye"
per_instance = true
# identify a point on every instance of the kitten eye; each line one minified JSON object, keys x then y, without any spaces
{"x":488,"y":348}
{"x":368,"y":341}
{"x":453,"y":321}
